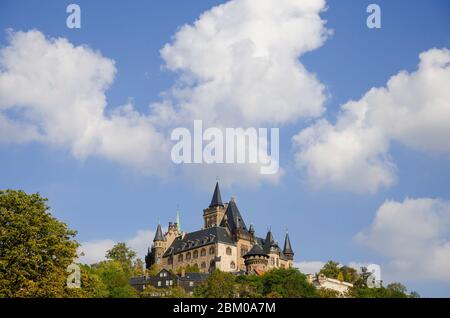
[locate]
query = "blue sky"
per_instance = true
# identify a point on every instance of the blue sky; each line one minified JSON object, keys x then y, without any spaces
{"x":105,"y":200}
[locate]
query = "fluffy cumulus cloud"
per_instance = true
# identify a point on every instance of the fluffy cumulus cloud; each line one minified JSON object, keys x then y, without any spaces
{"x":54,"y":92}
{"x":353,"y":154}
{"x":414,"y":237}
{"x":309,"y":267}
{"x":95,"y":251}
{"x":238,"y":66}
{"x":238,"y":63}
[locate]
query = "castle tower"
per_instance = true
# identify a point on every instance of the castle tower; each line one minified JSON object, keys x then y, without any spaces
{"x":158,"y":246}
{"x":256,"y":260}
{"x":214,"y":213}
{"x":287,"y":250}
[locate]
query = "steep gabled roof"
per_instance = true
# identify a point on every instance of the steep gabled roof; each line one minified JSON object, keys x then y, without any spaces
{"x":158,"y":236}
{"x":216,"y":198}
{"x":234,"y":217}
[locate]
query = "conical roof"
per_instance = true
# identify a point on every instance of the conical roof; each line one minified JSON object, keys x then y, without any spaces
{"x":255,"y":250}
{"x":216,"y":198}
{"x":287,"y":246}
{"x":158,"y":236}
{"x":269,"y":241}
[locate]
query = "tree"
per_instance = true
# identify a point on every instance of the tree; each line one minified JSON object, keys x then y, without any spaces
{"x":330,"y":269}
{"x":361,"y":290}
{"x":138,"y":267}
{"x":115,"y":278}
{"x":188,"y":269}
{"x":397,"y":290}
{"x":218,"y":285}
{"x":35,"y":247}
{"x":289,"y":283}
{"x":92,"y":285}
{"x":249,"y":286}
{"x":122,"y":254}
{"x":350,"y":274}
{"x":328,"y":293}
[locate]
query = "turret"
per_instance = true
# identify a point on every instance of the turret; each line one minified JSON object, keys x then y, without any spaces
{"x":287,"y":250}
{"x":256,"y":260}
{"x":158,"y":246}
{"x":213,"y":214}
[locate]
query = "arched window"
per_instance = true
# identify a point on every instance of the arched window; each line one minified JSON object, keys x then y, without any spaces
{"x":203,"y":252}
{"x":195,"y":265}
{"x":188,"y":256}
{"x":203,"y":265}
{"x":228,"y":250}
{"x":195,"y":254}
{"x":232,"y":265}
{"x":180,"y":257}
{"x":212,"y":250}
{"x":212,"y":266}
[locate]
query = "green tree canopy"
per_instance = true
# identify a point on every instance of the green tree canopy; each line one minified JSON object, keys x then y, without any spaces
{"x":287,"y":283}
{"x":218,"y":285}
{"x":35,"y":248}
{"x":122,"y":254}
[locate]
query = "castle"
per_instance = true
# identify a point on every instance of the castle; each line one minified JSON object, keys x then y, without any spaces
{"x":223,"y":243}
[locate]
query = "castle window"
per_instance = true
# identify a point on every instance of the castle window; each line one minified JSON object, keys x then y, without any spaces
{"x":195,"y":254}
{"x":212,"y":250}
{"x":203,"y":252}
{"x":203,"y":265}
{"x":180,"y":257}
{"x":228,"y":251}
{"x":188,"y":256}
{"x":232,"y":265}
{"x":272,"y":261}
{"x":278,"y":262}
{"x":170,"y":260}
{"x":244,"y":250}
{"x":195,"y":265}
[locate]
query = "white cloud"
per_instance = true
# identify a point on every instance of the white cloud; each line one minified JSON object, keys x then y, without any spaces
{"x":238,"y":63}
{"x":54,"y":92}
{"x":309,"y":267}
{"x":238,"y":66}
{"x":353,"y":154}
{"x":95,"y":251}
{"x":414,"y":235}
{"x":141,"y":242}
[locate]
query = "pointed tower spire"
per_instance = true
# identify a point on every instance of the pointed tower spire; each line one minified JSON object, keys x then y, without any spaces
{"x":158,"y":236}
{"x":287,"y":250}
{"x":268,"y":242}
{"x":217,"y":198}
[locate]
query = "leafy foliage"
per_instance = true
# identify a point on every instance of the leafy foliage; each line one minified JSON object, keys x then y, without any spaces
{"x":35,"y":248}
{"x":218,"y":285}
